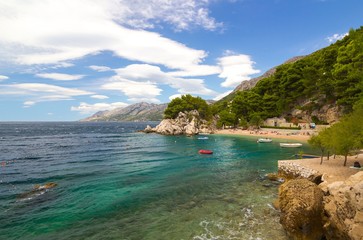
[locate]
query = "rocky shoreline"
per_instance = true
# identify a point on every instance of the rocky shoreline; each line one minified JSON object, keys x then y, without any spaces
{"x":314,"y":208}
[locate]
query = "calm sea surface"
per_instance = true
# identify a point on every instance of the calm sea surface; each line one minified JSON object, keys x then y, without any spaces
{"x":116,"y":183}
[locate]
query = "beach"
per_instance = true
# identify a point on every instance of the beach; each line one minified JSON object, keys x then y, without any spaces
{"x":299,"y":135}
{"x":332,"y":169}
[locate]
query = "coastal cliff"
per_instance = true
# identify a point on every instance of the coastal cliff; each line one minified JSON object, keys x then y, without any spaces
{"x":327,"y":210}
{"x":186,"y":123}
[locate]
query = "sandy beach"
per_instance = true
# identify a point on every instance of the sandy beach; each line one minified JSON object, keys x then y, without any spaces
{"x":299,"y":135}
{"x":332,"y":168}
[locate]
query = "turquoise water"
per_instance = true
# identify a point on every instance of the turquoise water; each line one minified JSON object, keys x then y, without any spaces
{"x":116,"y":183}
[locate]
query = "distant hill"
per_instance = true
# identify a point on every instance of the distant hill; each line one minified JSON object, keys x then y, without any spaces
{"x":136,"y":112}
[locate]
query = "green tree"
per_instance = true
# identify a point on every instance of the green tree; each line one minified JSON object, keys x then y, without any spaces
{"x":188,"y":103}
{"x":319,"y":141}
{"x":226,"y":118}
{"x":256,"y":120}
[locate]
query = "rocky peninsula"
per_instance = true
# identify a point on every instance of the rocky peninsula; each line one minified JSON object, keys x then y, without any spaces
{"x":186,"y":123}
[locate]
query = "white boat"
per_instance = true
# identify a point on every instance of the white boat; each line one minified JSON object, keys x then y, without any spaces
{"x":264,"y":140}
{"x":202,"y":138}
{"x":290,"y":145}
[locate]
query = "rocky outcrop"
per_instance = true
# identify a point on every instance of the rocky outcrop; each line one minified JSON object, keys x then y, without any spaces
{"x":342,"y":204}
{"x":301,"y":205}
{"x":343,"y":208}
{"x":290,"y":170}
{"x":329,"y":113}
{"x":188,"y":123}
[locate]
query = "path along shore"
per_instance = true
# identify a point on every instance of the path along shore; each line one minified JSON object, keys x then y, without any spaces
{"x":332,"y":169}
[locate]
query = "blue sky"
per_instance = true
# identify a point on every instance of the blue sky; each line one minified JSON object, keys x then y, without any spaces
{"x":65,"y":60}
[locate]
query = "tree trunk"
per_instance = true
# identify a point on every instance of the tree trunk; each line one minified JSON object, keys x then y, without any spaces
{"x":328,"y":155}
{"x":321,"y":158}
{"x":345,"y":160}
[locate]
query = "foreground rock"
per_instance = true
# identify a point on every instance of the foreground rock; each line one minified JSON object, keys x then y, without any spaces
{"x":343,"y":207}
{"x":188,"y":123}
{"x":301,"y":205}
{"x":340,"y":207}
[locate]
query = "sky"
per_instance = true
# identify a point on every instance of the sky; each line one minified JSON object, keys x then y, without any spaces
{"x":64,"y":60}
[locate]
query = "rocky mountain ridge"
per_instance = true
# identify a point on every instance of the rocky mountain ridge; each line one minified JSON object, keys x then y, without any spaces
{"x":136,"y":112}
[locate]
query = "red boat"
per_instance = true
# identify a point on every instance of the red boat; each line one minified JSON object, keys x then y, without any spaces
{"x":204,"y":151}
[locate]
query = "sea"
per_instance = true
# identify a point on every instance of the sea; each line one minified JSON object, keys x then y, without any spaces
{"x":114,"y":182}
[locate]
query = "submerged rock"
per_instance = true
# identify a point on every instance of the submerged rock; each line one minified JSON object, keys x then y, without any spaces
{"x":301,"y":206}
{"x":37,"y":190}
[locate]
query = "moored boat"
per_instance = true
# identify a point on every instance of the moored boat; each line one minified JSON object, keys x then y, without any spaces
{"x":205,"y":151}
{"x":290,"y":145}
{"x":202,"y":138}
{"x":306,"y":156}
{"x":264,"y":140}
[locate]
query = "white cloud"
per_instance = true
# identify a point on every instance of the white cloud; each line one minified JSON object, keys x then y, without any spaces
{"x":27,"y":104}
{"x":197,"y":70}
{"x":60,"y":76}
{"x":63,"y":65}
{"x":99,"y":96}
{"x":2,"y":77}
{"x":100,"y":68}
{"x":43,"y":88}
{"x":51,"y":32}
{"x":152,"y":74}
{"x":85,"y":108}
{"x":38,"y":92}
{"x":235,"y":69}
{"x":183,"y":14}
{"x":136,"y":91}
{"x":222,"y":95}
{"x":336,"y":37}
{"x":175,"y":96}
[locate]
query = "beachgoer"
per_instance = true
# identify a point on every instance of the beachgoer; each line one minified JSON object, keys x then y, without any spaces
{"x":357,"y":164}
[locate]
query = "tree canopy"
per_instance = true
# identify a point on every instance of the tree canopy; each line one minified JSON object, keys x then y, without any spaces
{"x":188,"y":103}
{"x":332,"y":75}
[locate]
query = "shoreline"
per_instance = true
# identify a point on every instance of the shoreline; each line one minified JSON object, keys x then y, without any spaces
{"x":298,"y":135}
{"x":333,"y":169}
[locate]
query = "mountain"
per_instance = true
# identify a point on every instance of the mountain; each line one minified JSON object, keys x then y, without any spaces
{"x":319,"y":87}
{"x":249,"y":84}
{"x":136,"y":112}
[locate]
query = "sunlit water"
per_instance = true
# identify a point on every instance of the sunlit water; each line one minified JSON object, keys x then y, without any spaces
{"x":116,"y":183}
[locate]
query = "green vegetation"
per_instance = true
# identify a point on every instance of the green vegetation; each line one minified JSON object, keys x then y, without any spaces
{"x":333,"y":75}
{"x":188,"y":103}
{"x":344,"y":137}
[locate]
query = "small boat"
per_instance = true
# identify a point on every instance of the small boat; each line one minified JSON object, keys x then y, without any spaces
{"x":204,"y":151}
{"x":202,"y":138}
{"x":264,"y":140}
{"x":290,"y":145}
{"x":297,"y":156}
